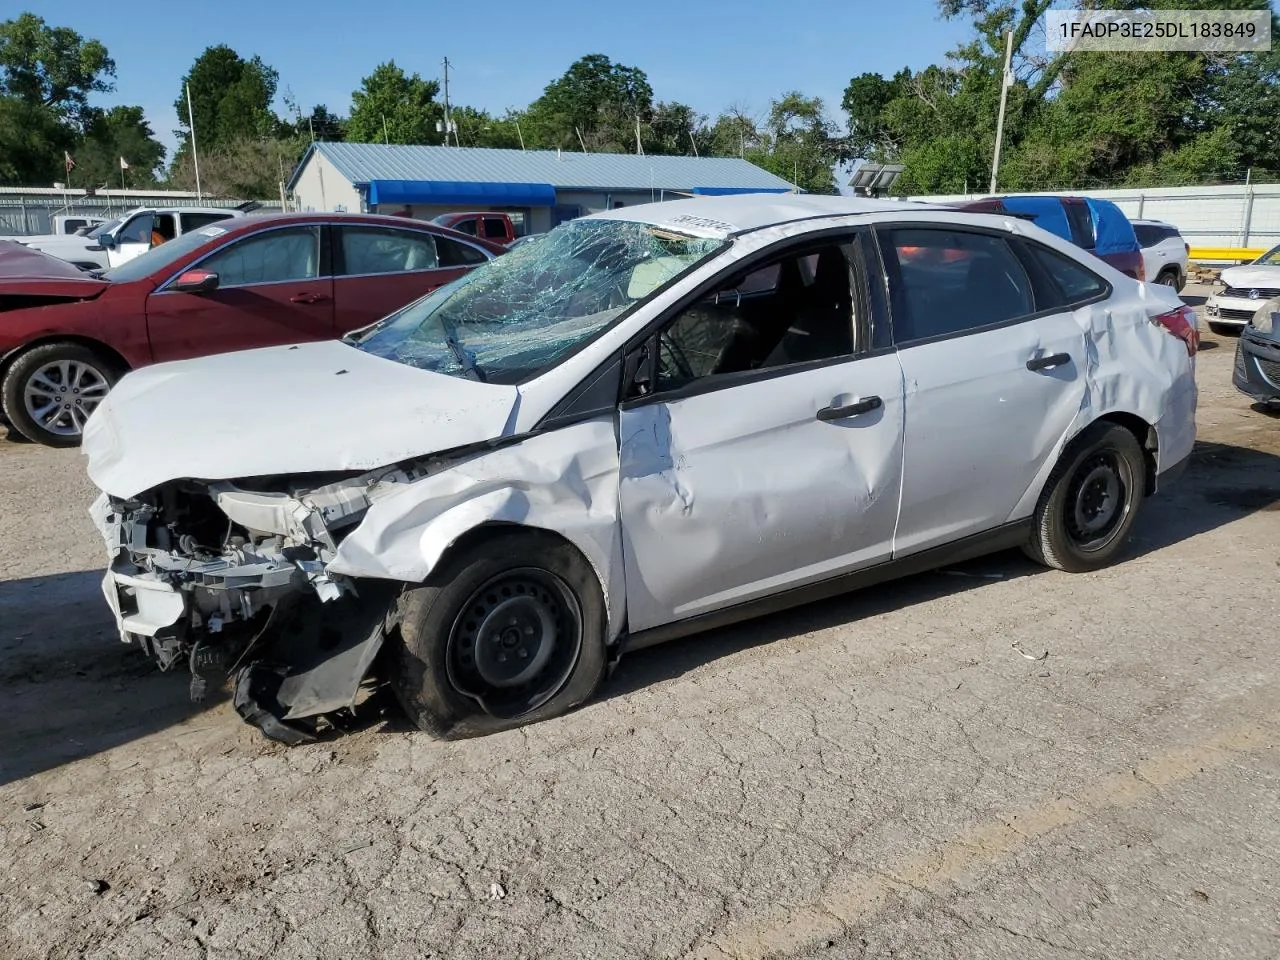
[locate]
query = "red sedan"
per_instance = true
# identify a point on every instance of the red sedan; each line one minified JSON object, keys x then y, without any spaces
{"x":66,"y":336}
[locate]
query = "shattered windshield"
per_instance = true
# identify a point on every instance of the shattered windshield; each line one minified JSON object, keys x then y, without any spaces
{"x":526,"y":310}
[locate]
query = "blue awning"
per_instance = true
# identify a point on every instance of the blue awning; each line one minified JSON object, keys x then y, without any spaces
{"x":734,"y":191}
{"x":455,"y":192}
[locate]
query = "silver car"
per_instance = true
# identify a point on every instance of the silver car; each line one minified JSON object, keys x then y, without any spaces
{"x":652,"y":421}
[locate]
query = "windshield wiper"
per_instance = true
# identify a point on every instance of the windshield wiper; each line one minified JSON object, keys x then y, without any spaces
{"x":468,"y":362}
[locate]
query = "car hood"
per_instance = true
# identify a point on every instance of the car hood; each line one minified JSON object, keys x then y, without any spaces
{"x":1250,"y":275}
{"x":30,"y":273}
{"x":310,"y":408}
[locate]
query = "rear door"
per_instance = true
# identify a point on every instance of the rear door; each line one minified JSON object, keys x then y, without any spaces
{"x":274,"y":287}
{"x":761,"y":442}
{"x":994,"y":377}
{"x":379,"y":269}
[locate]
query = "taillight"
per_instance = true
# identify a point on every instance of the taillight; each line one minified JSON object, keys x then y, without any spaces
{"x":1141,"y":272}
{"x":1188,"y":246}
{"x":1182,"y":324}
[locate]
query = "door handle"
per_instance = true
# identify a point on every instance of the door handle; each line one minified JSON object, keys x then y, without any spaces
{"x":1049,"y":362}
{"x":307,"y":298}
{"x":850,"y":410}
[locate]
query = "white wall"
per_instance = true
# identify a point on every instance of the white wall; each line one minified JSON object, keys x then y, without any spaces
{"x":1227,"y":216}
{"x":321,"y":188}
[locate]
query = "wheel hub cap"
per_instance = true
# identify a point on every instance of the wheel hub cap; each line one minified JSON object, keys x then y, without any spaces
{"x":514,"y":641}
{"x":60,"y":395}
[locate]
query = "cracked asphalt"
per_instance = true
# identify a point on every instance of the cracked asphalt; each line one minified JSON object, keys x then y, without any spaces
{"x":884,"y":774}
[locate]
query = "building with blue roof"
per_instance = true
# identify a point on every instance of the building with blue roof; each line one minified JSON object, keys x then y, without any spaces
{"x":538,"y":188}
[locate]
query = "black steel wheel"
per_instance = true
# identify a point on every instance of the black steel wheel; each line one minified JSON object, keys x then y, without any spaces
{"x":1090,"y":501}
{"x":515,"y":640}
{"x":509,"y":629}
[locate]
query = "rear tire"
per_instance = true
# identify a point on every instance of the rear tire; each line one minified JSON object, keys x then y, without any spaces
{"x":1090,"y":501}
{"x":49,"y":391}
{"x":1170,"y":277}
{"x":508,"y":630}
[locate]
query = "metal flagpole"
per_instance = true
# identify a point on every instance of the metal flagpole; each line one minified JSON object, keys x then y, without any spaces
{"x":1004,"y":96}
{"x":195,"y":158}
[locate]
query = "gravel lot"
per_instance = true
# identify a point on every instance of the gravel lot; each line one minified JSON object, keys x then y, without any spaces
{"x":882,"y":774}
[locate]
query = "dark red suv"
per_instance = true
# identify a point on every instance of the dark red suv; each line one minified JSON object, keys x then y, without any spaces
{"x":66,"y":337}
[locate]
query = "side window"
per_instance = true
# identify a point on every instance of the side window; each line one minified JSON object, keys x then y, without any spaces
{"x":466,"y":226}
{"x":194,"y":221}
{"x":796,"y":308}
{"x":368,"y":250}
{"x":163,"y":229}
{"x":1070,"y":282}
{"x":495,"y":229}
{"x":944,"y":282}
{"x":137,"y":230}
{"x":455,"y":254}
{"x":289,"y":254}
{"x":1080,"y":220}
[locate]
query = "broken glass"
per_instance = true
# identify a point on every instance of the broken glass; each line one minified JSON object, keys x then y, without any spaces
{"x":517,"y":315}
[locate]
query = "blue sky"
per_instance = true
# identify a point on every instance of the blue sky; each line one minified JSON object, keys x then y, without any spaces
{"x":707,"y":54}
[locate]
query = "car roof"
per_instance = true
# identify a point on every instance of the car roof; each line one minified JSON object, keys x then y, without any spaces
{"x":1154,"y":223}
{"x":742,"y":213}
{"x":255,"y":221}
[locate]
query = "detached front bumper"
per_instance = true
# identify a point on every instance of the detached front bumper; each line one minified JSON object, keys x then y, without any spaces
{"x":1257,"y":367}
{"x":298,"y":641}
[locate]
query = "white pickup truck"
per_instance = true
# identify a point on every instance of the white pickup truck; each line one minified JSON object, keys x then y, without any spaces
{"x":118,"y":241}
{"x":64,"y":225}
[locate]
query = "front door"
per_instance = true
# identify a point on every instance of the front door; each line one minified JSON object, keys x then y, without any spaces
{"x":274,"y":288}
{"x":132,"y":239}
{"x":993,"y":378}
{"x":761,"y":448}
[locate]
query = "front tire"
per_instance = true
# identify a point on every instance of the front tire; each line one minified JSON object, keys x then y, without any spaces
{"x":1090,"y":502}
{"x":508,"y":630}
{"x":49,"y":392}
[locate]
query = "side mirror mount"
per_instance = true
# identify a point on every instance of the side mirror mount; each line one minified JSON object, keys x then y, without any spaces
{"x":195,"y":281}
{"x":637,"y":377}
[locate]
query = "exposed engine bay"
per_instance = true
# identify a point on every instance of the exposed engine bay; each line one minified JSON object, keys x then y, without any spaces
{"x":230,"y":579}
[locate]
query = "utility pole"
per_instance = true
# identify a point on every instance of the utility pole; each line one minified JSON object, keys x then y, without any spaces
{"x":694,"y":142}
{"x":195,"y":157}
{"x":448,"y":117}
{"x":639,"y":149}
{"x":386,"y":137}
{"x":1005,"y":82}
{"x":519,"y":134}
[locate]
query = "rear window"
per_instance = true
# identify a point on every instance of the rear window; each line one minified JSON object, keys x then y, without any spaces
{"x":1149,"y":234}
{"x":495,"y":228}
{"x":1070,"y":282}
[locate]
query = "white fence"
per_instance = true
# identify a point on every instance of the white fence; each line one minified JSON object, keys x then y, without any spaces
{"x":1236,"y":215}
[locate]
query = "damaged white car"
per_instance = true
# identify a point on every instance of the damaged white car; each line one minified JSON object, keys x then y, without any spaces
{"x":653,"y":421}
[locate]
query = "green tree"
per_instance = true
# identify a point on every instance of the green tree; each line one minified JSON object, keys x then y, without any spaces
{"x":47,"y":75}
{"x":798,"y":143}
{"x":596,"y":103}
{"x":53,"y":67}
{"x":230,"y":99}
{"x":677,"y":129}
{"x":112,"y":134}
{"x":477,"y":128}
{"x":250,"y":168}
{"x":393,"y":107}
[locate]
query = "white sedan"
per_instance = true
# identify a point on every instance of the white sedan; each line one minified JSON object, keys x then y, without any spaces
{"x":653,"y":421}
{"x":1245,"y":289}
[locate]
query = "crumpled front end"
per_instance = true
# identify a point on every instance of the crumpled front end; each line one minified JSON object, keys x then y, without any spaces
{"x":224,"y":579}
